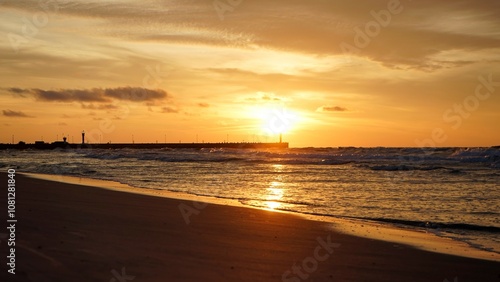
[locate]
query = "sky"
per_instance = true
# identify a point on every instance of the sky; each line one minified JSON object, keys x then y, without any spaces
{"x":324,"y":73}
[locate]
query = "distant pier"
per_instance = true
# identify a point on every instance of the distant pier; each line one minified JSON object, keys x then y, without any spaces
{"x":65,"y":145}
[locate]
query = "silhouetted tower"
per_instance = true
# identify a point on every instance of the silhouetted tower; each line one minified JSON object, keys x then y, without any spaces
{"x":83,"y":137}
{"x":281,"y":137}
{"x":64,"y":139}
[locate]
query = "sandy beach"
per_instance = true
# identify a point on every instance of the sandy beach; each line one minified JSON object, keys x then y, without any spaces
{"x":69,"y":232}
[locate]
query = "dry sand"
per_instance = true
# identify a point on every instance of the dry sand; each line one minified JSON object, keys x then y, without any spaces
{"x":68,"y":232}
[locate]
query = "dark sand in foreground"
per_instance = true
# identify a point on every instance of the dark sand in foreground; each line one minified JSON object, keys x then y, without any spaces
{"x":70,"y":232}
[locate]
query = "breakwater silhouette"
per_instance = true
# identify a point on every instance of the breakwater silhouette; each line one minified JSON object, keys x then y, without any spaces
{"x":65,"y":145}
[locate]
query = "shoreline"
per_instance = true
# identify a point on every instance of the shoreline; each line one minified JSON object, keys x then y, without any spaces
{"x":77,"y":232}
{"x":418,"y":238}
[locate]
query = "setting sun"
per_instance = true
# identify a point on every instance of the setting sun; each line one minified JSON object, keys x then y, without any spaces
{"x":277,"y":120}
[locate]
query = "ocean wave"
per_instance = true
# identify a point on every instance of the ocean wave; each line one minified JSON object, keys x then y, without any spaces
{"x":258,"y":202}
{"x":409,"y":168}
{"x":390,"y":159}
{"x":436,"y":225}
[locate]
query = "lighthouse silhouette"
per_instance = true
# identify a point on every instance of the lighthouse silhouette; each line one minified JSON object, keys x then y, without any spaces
{"x":83,"y":137}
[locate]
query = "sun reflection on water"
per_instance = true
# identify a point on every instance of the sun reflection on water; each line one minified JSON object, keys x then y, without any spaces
{"x":273,"y":205}
{"x":275,"y":191}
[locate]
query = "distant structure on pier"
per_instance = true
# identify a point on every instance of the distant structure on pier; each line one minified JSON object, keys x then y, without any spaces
{"x":65,"y":145}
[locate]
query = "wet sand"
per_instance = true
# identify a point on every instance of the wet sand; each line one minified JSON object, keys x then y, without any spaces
{"x":68,"y":232}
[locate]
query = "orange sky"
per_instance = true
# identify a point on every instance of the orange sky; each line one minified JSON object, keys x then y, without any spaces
{"x":329,"y":73}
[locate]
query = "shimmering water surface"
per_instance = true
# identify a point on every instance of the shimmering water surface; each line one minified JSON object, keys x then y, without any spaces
{"x":453,"y":191}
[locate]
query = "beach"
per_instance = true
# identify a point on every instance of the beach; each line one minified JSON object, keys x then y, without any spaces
{"x":69,"y":232}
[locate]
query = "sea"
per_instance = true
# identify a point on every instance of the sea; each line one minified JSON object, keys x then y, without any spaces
{"x":452,"y":192}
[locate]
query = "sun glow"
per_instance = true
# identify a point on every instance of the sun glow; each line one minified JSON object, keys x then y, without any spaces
{"x":277,"y":120}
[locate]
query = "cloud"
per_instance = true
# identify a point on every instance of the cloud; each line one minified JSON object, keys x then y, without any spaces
{"x":169,"y":110}
{"x":10,"y":113}
{"x":265,"y":98}
{"x":269,"y":98}
{"x":135,"y":94}
{"x":331,"y":109}
{"x":100,"y":107}
{"x":315,"y":27}
{"x":203,"y":105}
{"x":70,"y":95}
{"x":99,"y":95}
{"x":17,"y":90}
